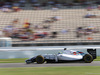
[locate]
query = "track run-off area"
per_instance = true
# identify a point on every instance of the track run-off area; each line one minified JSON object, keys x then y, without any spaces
{"x":14,"y":65}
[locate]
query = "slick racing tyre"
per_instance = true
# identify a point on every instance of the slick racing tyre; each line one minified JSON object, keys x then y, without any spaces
{"x":88,"y":58}
{"x":40,"y":59}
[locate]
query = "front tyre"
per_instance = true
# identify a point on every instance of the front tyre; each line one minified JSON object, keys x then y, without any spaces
{"x":40,"y":59}
{"x":88,"y":58}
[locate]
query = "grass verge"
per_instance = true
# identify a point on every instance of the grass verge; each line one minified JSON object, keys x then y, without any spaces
{"x":88,"y":70}
{"x":16,"y":60}
{"x":98,"y":59}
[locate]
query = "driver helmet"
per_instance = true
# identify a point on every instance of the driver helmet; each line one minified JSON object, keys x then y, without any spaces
{"x":59,"y":52}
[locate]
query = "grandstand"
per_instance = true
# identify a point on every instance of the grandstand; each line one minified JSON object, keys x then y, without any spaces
{"x":50,"y":24}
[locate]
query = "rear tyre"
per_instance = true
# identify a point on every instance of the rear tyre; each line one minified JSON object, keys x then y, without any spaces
{"x":88,"y":58}
{"x":40,"y":59}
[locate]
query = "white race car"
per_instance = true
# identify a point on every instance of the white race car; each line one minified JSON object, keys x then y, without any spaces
{"x":65,"y":56}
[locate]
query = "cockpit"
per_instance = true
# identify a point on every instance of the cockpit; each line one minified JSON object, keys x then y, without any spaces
{"x":73,"y":52}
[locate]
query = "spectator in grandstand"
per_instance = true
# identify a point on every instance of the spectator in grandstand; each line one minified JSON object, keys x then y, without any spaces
{"x":27,"y":35}
{"x":44,"y":4}
{"x":7,"y":5}
{"x":15,"y":21}
{"x":55,"y":9}
{"x":48,"y":21}
{"x":26,"y":24}
{"x":23,"y":34}
{"x":1,"y":3}
{"x":8,"y":30}
{"x":53,"y":19}
{"x":91,"y":29}
{"x":40,"y":26}
{"x":46,"y":27}
{"x":64,"y":31}
{"x":50,"y":2}
{"x":98,"y":2}
{"x":58,"y":5}
{"x":79,"y":32}
{"x":89,"y":8}
{"x":15,"y":33}
{"x":37,"y":26}
{"x":16,"y":4}
{"x":88,"y":2}
{"x":40,"y":34}
{"x":5,"y":9}
{"x":89,"y":15}
{"x":98,"y":7}
{"x":54,"y":34}
{"x":69,"y":5}
{"x":86,"y":30}
{"x":16,"y":9}
{"x":22,"y":1}
{"x":12,"y":9}
{"x":94,"y":6}
{"x":34,"y":1}
{"x":56,"y":18}
{"x":64,"y":4}
{"x":37,"y":6}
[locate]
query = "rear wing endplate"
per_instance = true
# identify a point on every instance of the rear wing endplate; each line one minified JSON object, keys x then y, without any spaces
{"x":92,"y":52}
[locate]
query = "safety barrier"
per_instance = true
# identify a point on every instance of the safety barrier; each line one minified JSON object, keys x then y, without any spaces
{"x":27,"y":52}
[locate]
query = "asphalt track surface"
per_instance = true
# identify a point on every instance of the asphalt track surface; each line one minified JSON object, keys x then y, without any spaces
{"x":14,"y":65}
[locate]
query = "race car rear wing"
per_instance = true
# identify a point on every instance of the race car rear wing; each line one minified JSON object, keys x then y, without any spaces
{"x":92,"y":52}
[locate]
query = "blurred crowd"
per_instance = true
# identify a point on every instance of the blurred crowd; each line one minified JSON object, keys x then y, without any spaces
{"x":14,"y":6}
{"x":11,"y":6}
{"x":87,"y":30}
{"x":29,"y":31}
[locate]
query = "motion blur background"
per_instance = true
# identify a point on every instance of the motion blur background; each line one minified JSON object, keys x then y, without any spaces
{"x":50,"y":22}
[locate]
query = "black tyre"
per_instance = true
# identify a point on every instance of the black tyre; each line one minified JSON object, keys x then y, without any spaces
{"x":88,"y":58}
{"x":40,"y":59}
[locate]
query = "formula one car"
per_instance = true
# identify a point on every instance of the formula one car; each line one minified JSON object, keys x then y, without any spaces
{"x":64,"y":56}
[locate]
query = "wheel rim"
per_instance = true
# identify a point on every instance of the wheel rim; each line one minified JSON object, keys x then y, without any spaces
{"x":39,"y":59}
{"x":88,"y":58}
